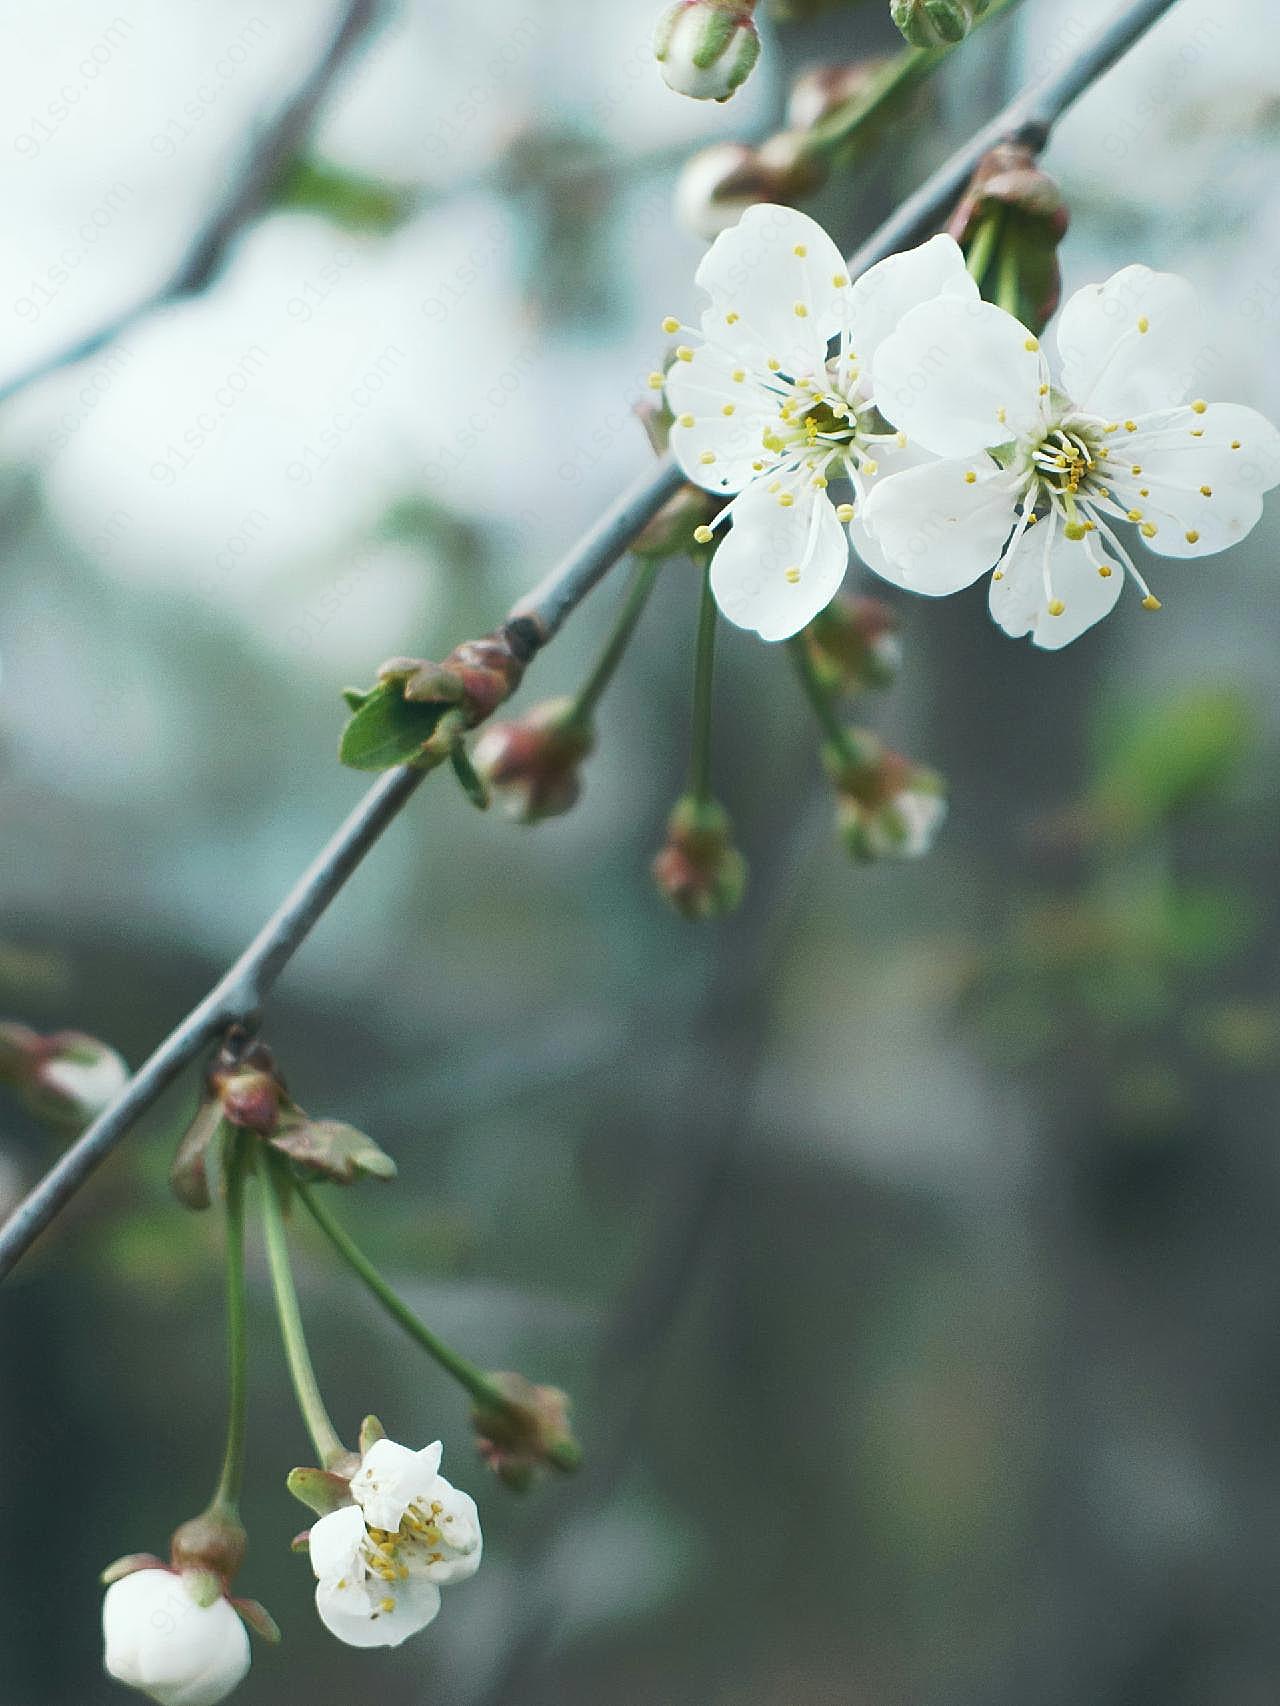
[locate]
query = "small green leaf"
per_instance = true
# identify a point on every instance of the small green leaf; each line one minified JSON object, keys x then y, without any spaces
{"x":387,"y":730}
{"x":319,"y":1490}
{"x":350,"y":199}
{"x":337,"y":1151}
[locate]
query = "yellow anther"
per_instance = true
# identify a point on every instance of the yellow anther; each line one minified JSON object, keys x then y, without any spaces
{"x":703,"y":534}
{"x":1151,"y":602}
{"x":671,"y":324}
{"x":839,"y":280}
{"x":1104,"y":569}
{"x":1191,"y":536}
{"x":999,"y":575}
{"x":792,"y":574}
{"x":773,"y":364}
{"x":1136,"y":469}
{"x":821,"y":481}
{"x":1235,"y":442}
{"x":844,"y":512}
{"x":1044,"y":390}
{"x":1199,"y":406}
{"x":1057,"y":607}
{"x":1075,"y":530}
{"x":800,"y":250}
{"x":732,"y":317}
{"x":1135,"y":515}
{"x":685,"y":421}
{"x":970,"y":478}
{"x":901,"y":441}
{"x":386,"y":1604}
{"x":800,"y":311}
{"x":1148,"y":530}
{"x":1131,"y":426}
{"x":1032,"y":344}
{"x":786,"y":499}
{"x":657,"y":381}
{"x":1144,"y":325}
{"x":1002,"y":415}
{"x":1206,"y":491}
{"x":870,"y":467}
{"x":684,"y":353}
{"x":728,"y":408}
{"x":757,"y":467}
{"x":738,"y":375}
{"x":1198,"y":432}
{"x":707,"y":458}
{"x":1144,"y":491}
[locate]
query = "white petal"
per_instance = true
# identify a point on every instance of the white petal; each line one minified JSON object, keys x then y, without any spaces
{"x":896,"y":285}
{"x":1110,"y":365}
{"x":159,"y":1640}
{"x":391,"y":1478}
{"x":937,"y":530}
{"x":753,"y":271}
{"x":1202,"y":473}
{"x":1020,"y":602}
{"x":335,"y":1541}
{"x":359,"y":1616}
{"x":459,"y":1525}
{"x":701,"y":390}
{"x":960,"y":375}
{"x":749,"y":570}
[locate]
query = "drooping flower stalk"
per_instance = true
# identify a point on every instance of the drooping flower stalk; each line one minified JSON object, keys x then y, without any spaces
{"x":226,"y":1497}
{"x":703,"y":681}
{"x":324,"y":1436}
{"x":592,"y":690}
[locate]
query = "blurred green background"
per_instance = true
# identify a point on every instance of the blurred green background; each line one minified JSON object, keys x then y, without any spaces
{"x":907,"y":1242}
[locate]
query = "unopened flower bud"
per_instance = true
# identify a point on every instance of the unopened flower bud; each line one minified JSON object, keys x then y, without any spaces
{"x":888,"y":807}
{"x":717,"y":185}
{"x":936,"y":23}
{"x":529,"y":1430}
{"x":532,"y":764}
{"x":853,"y":644}
{"x":67,"y":1078}
{"x":707,"y":48}
{"x":161,"y":1639}
{"x":1009,"y":184}
{"x":824,"y":89}
{"x":699,"y":870}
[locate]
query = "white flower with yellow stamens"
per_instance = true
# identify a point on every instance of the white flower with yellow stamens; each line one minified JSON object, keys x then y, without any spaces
{"x":773,"y":403}
{"x":380,"y":1563}
{"x":1036,"y":477}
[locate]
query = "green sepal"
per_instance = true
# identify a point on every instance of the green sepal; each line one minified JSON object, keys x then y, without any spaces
{"x":387,"y":729}
{"x":717,"y":32}
{"x":129,"y":1565}
{"x":259,"y":1619}
{"x":203,"y":1587}
{"x":472,"y":783}
{"x":355,"y":697}
{"x":371,"y":1431}
{"x":319,"y":1490}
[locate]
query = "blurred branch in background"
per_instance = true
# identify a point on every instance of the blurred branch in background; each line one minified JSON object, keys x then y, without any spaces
{"x":250,"y":193}
{"x":533,"y":621}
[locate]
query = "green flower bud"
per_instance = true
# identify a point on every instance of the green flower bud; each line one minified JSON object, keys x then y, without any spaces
{"x":707,"y":48}
{"x":936,"y":23}
{"x":699,"y":870}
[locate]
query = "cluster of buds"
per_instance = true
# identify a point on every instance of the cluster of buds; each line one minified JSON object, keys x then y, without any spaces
{"x":532,"y":764}
{"x":244,"y":1091}
{"x":853,"y":644}
{"x":173,"y":1630}
{"x":417,"y":711}
{"x":707,"y":48}
{"x":936,"y":23}
{"x":888,"y":807}
{"x":66,"y":1078}
{"x":698,"y":869}
{"x":526,"y":1431}
{"x":717,"y":185}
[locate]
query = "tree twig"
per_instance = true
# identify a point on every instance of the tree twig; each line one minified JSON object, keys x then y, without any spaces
{"x":239,"y":994}
{"x":280,"y":140}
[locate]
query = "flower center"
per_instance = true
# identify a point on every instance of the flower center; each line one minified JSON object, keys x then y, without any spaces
{"x":1064,"y":462}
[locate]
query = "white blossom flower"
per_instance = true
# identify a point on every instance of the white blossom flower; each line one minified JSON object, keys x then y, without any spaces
{"x":774,"y":403}
{"x":1036,"y":477}
{"x":158,"y":1639}
{"x":381,"y":1562}
{"x":84,"y":1079}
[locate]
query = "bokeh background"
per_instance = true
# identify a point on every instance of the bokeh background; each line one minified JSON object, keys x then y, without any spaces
{"x":908,"y":1241}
